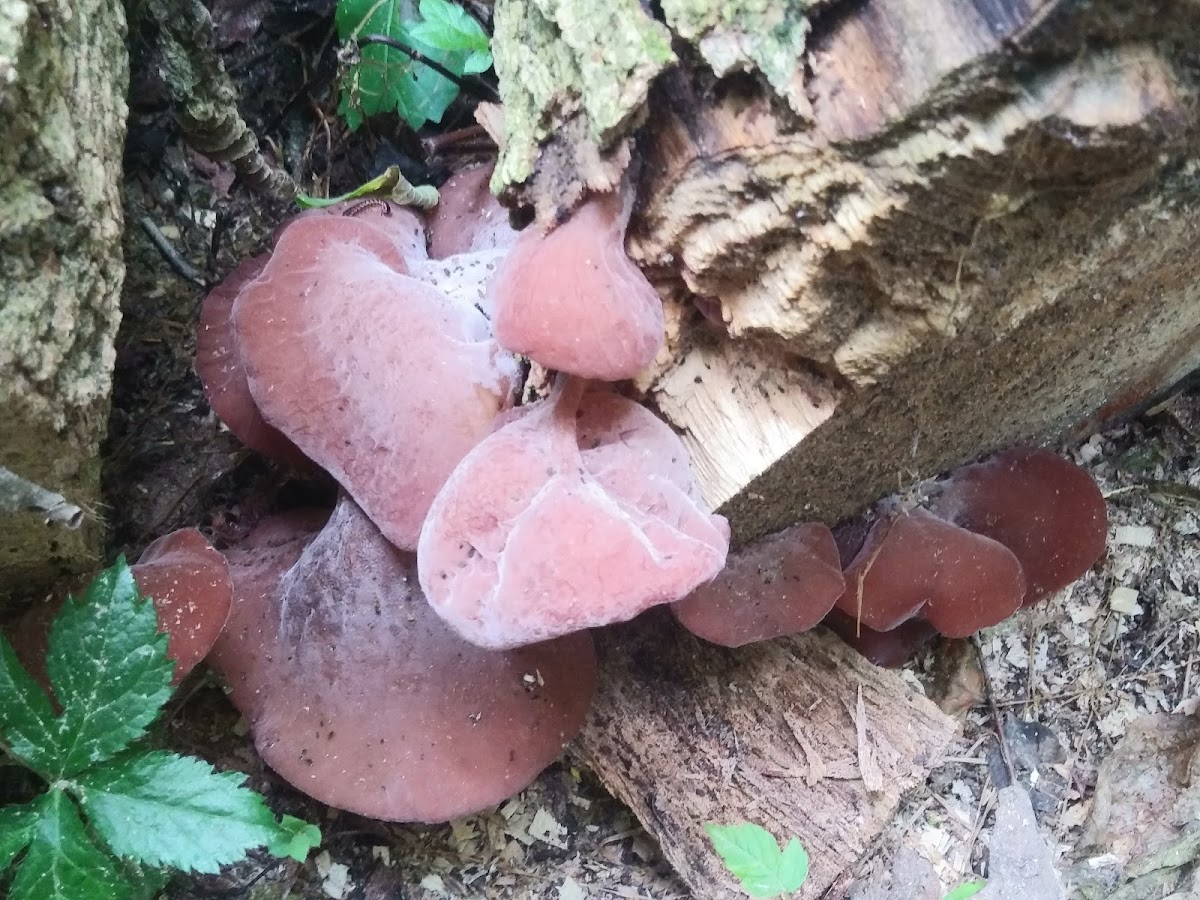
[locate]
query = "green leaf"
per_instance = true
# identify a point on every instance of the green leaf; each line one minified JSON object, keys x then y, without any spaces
{"x":16,"y":831}
{"x":965,"y":890}
{"x":753,"y":856}
{"x":448,"y":26}
{"x":27,"y":722}
{"x":162,"y":809}
{"x":386,"y":79}
{"x":144,"y":882}
{"x":380,"y":184}
{"x":108,"y":665}
{"x":62,"y":863}
{"x":296,"y":839}
{"x":478,"y":61}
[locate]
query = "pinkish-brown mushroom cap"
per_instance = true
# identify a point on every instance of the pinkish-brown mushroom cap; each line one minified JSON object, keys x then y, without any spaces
{"x":380,"y":378}
{"x":581,"y":512}
{"x":915,"y":564}
{"x":256,"y":564}
{"x":1046,"y":510}
{"x":783,"y":584}
{"x":223,"y":375}
{"x":360,"y":696}
{"x":572,"y":301}
{"x":189,"y":583}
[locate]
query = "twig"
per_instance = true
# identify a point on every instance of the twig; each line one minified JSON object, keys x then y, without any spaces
{"x":170,"y":254}
{"x":996,"y":720}
{"x":472,"y":137}
{"x":474,"y":86}
{"x":20,"y":495}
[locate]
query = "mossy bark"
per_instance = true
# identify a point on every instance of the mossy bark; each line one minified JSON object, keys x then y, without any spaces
{"x":63,"y":78}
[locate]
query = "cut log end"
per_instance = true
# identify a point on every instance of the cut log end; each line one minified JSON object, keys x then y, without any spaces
{"x":943,"y":273}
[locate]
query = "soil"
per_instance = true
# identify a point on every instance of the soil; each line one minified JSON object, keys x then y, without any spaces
{"x":1066,"y":678}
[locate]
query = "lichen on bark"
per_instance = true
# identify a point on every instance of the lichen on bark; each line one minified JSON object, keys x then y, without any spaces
{"x":748,"y":35}
{"x":63,"y":77}
{"x":559,"y":60}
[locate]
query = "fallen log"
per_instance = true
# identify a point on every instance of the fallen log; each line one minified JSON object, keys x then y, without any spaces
{"x":891,"y":236}
{"x":801,"y":736}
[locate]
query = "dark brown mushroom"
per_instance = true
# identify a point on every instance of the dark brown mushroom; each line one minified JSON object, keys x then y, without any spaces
{"x":890,"y":649}
{"x":915,"y":564}
{"x":781,"y":585}
{"x":1046,"y":510}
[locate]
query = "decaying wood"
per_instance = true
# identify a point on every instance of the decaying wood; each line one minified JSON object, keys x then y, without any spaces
{"x":971,"y":227}
{"x":972,"y":243}
{"x":687,"y":733}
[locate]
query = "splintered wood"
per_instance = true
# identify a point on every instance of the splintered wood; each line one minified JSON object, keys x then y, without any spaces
{"x":800,"y":736}
{"x":961,"y":248}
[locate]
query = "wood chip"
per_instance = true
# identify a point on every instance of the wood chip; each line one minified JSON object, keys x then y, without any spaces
{"x":1124,"y":601}
{"x":1134,"y":535}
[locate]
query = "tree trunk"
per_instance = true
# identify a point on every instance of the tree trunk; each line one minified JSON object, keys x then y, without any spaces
{"x":892,"y":235}
{"x":63,"y":76}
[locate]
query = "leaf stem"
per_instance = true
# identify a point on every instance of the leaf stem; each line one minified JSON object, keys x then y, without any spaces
{"x":474,"y":86}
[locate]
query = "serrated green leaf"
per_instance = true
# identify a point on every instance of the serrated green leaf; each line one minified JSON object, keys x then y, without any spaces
{"x":162,"y":809}
{"x":28,"y":725}
{"x":144,"y":882}
{"x":386,"y":79}
{"x":296,"y":839}
{"x":965,"y":890}
{"x":62,"y":863}
{"x":753,"y":856}
{"x":16,"y":831}
{"x":109,"y":669}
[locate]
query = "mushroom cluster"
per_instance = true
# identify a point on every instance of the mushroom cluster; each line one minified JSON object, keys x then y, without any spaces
{"x":985,"y":541}
{"x":422,"y":651}
{"x":433,"y":629}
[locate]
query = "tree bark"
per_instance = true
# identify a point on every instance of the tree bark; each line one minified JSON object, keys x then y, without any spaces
{"x":800,"y":736}
{"x":63,"y":77}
